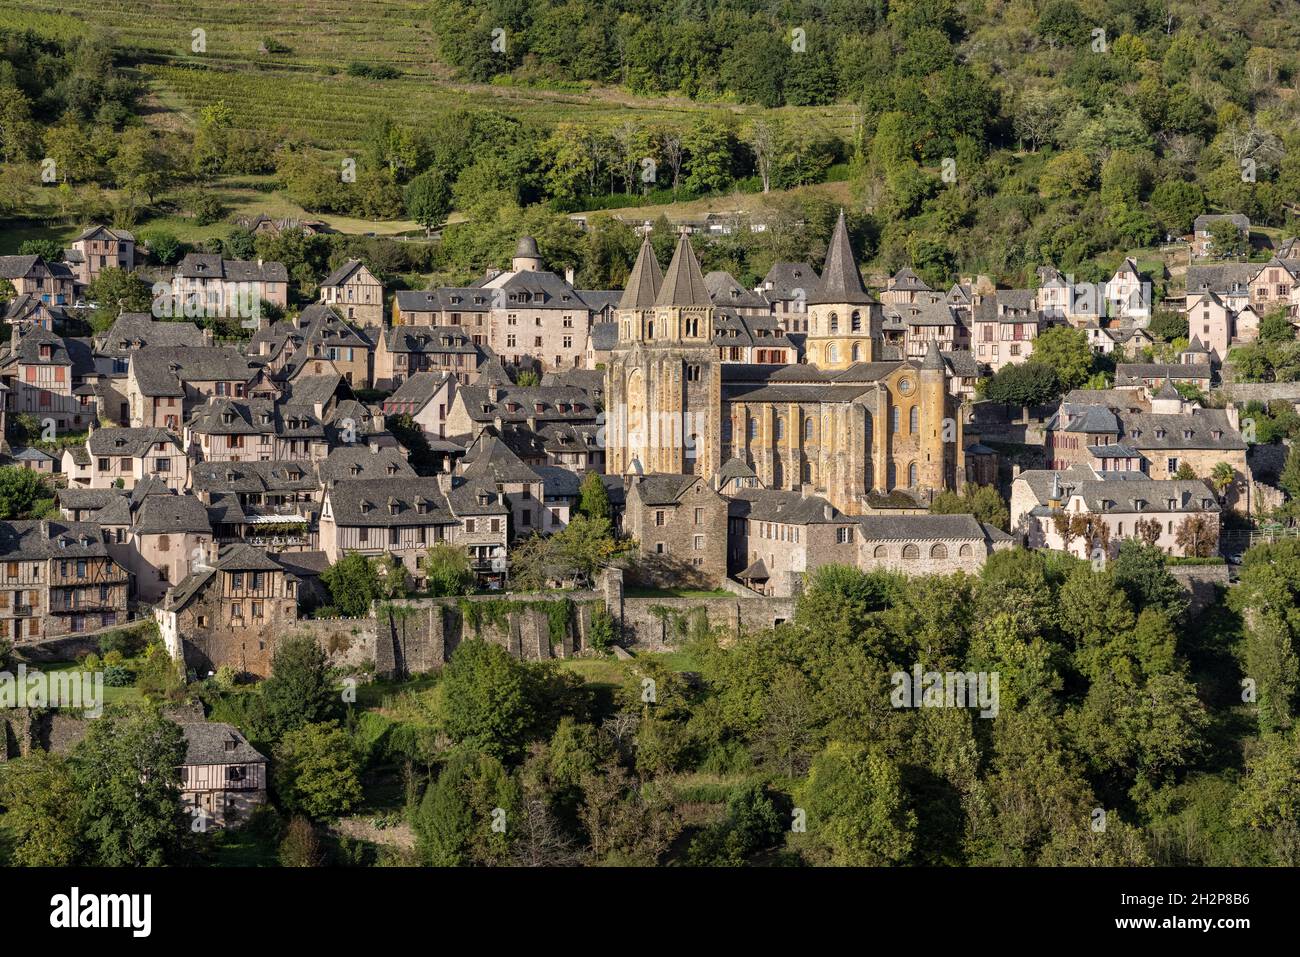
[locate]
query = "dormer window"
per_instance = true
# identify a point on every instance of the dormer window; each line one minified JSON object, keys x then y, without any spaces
{"x":365,"y":507}
{"x":355,"y":469}
{"x":1160,"y":433}
{"x":538,"y":407}
{"x":392,"y":469}
{"x":1140,"y":504}
{"x":422,"y":507}
{"x":393,"y":506}
{"x":1187,"y":433}
{"x":1217,"y":433}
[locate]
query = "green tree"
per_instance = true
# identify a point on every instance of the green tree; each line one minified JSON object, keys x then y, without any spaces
{"x":1269,"y":799}
{"x":447,"y":570}
{"x":127,"y":770}
{"x":353,"y":583}
{"x":593,"y":497}
{"x":1276,"y":327}
{"x":485,"y":697}
{"x":22,"y":493}
{"x":115,"y":291}
{"x":857,"y":808}
{"x":1066,"y":350}
{"x":42,"y":809}
{"x":428,"y":199}
{"x":299,"y":690}
{"x":465,"y":815}
{"x":300,"y":846}
{"x":982,"y":501}
{"x":1024,"y":384}
{"x":317,"y":772}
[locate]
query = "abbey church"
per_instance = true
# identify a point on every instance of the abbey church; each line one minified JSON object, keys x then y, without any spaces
{"x":847,"y":424}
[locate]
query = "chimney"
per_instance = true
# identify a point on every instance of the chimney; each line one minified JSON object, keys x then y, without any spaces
{"x":568,"y":275}
{"x":444,"y":482}
{"x":498,"y":422}
{"x":13,"y":338}
{"x":827,"y":511}
{"x":207,"y":337}
{"x":494,"y":393}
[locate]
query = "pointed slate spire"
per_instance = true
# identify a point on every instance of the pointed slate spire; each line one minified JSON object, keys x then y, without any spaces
{"x":841,"y":281}
{"x":644,"y":282}
{"x":933,"y":358}
{"x":684,"y":280}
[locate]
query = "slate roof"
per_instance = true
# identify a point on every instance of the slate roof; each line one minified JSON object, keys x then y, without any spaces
{"x":446,"y":298}
{"x":727,"y":292}
{"x":345,"y":272}
{"x":238,"y":557}
{"x":427,"y":340}
{"x":920,"y":527}
{"x":774,"y":505}
{"x":490,"y":459}
{"x":16,"y":267}
{"x":559,"y":482}
{"x":389,"y":502}
{"x":253,"y":477}
{"x":908,"y":281}
{"x":36,"y":539}
{"x":578,"y":404}
{"x":161,"y":370}
{"x":133,"y":442}
{"x":841,"y":282}
{"x":211,"y":742}
{"x":1126,"y":372}
{"x":683,"y":283}
{"x":1138,"y":495}
{"x":786,"y":281}
{"x":418,"y":389}
{"x":166,"y":514}
{"x":135,"y":330}
{"x":1159,"y":432}
{"x":214,"y":266}
{"x":351,"y":462}
{"x":604,"y":336}
{"x":645,"y":280}
{"x":662,"y":488}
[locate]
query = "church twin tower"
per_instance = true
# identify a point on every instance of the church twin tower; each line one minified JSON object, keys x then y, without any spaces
{"x":846,"y":424}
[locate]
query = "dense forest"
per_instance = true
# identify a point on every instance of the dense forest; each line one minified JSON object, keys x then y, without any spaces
{"x":1125,"y":730}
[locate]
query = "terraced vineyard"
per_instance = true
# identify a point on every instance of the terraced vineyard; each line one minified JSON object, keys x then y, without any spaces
{"x":317,"y":32}
{"x":307,"y":88}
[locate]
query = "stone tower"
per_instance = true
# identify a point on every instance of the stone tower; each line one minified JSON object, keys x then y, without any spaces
{"x":843,"y":318}
{"x":664,"y":385}
{"x":940,"y":435}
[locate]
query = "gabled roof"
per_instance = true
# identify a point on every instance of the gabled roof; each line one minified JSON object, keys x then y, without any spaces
{"x":343,"y":273}
{"x":171,"y":514}
{"x":213,"y":266}
{"x":645,"y":280}
{"x":129,"y":442}
{"x":491,"y":459}
{"x":683,"y":283}
{"x":390,"y":502}
{"x":841,"y":282}
{"x":210,"y":743}
{"x":920,"y":527}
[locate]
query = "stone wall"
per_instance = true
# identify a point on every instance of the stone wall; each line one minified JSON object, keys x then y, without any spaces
{"x":25,"y":729}
{"x":348,"y":642}
{"x":1202,"y":583}
{"x":657,"y":624}
{"x":1262,"y":391}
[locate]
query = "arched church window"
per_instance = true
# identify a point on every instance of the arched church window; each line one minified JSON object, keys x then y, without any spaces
{"x":833,"y":322}
{"x":914,"y":420}
{"x":939,"y":550}
{"x":832,"y":353}
{"x":753,"y":427}
{"x":778,"y":428}
{"x":895,"y":419}
{"x":911,"y":475}
{"x":809,"y":429}
{"x":856,"y":321}
{"x":911,"y":551}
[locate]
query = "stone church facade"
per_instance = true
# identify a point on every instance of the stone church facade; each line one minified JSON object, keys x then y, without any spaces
{"x":842,"y":426}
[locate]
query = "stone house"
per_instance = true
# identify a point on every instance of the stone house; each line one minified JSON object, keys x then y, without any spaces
{"x":680,"y":525}
{"x":226,"y":430}
{"x":775,"y":538}
{"x":1202,"y":242}
{"x":46,"y":375}
{"x":215,"y":287}
{"x":353,"y":290}
{"x":1005,"y":326}
{"x":426,"y":397}
{"x":265,"y":504}
{"x":56,"y":579}
{"x":52,"y":283}
{"x":405,"y":350}
{"x":164,"y":384}
{"x":490,"y":462}
{"x":223,"y":778}
{"x":926,"y":544}
{"x":230,"y":612}
{"x":313,"y":342}
{"x":99,"y":248}
{"x":1119,"y":500}
{"x":122,"y":458}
